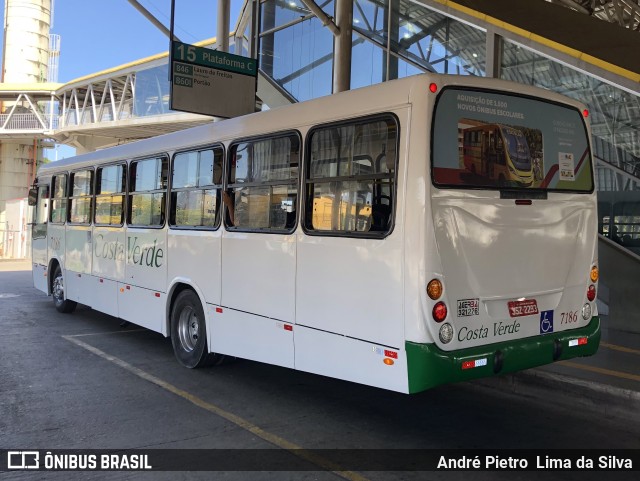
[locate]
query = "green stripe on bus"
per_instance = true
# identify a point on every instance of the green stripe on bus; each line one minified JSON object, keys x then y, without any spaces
{"x":430,"y":366}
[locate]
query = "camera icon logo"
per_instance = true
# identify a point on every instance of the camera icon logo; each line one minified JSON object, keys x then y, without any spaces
{"x":23,"y":460}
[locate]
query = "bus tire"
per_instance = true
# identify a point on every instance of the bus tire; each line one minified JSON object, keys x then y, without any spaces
{"x":63,"y":305}
{"x":189,"y":332}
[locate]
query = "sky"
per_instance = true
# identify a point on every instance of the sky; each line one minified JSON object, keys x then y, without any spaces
{"x":101,"y":34}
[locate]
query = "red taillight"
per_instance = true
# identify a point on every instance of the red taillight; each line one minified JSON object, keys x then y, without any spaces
{"x":591,"y":292}
{"x":433,"y":88}
{"x":440,"y":311}
{"x":585,"y":113}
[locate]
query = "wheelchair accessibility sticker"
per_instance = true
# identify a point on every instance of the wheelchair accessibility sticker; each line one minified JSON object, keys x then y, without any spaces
{"x":546,"y":322}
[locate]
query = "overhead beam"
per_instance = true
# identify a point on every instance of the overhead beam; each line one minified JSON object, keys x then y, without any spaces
{"x":149,"y":16}
{"x":323,"y":17}
{"x":575,"y":6}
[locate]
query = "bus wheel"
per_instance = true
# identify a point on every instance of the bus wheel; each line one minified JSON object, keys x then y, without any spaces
{"x":189,"y":334}
{"x":57,"y":290}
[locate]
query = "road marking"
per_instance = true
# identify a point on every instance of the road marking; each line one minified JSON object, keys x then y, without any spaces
{"x":615,"y":347}
{"x":106,"y":332}
{"x":233,"y":418}
{"x":600,"y":370}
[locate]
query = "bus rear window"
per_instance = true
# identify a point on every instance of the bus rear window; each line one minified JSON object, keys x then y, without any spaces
{"x":484,"y":139}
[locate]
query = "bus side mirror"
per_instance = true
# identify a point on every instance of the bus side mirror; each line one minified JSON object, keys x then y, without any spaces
{"x":33,"y":196}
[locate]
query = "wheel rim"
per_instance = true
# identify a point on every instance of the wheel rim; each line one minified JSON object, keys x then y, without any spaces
{"x":188,"y":329}
{"x":58,"y":289}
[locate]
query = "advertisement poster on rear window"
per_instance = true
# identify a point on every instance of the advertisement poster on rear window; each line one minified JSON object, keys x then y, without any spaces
{"x":493,"y":140}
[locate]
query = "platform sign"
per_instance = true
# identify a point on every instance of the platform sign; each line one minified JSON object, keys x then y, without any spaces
{"x":209,"y":82}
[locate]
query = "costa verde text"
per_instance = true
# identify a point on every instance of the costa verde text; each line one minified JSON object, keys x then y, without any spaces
{"x":134,"y":253}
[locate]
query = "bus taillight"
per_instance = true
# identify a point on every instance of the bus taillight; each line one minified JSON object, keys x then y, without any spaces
{"x":434,"y":289}
{"x":591,"y":292}
{"x":595,"y":274}
{"x":440,"y":311}
{"x":433,"y":88}
{"x":585,"y":113}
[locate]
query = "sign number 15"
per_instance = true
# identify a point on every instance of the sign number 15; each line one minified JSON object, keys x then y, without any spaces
{"x":190,"y":51}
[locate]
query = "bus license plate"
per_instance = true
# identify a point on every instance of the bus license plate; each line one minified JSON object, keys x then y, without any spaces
{"x":527,"y":307}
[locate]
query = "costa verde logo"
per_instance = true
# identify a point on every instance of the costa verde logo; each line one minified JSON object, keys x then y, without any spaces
{"x":135,"y":252}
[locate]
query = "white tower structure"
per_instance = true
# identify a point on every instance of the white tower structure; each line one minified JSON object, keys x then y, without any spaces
{"x":25,"y":60}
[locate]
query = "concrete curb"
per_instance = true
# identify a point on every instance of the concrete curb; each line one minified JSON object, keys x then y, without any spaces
{"x":568,"y":391}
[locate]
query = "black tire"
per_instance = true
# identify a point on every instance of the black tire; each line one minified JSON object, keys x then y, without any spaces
{"x":189,"y":333}
{"x":63,"y":305}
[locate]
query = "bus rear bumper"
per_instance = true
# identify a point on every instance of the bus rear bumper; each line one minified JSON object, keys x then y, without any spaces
{"x":429,"y":366}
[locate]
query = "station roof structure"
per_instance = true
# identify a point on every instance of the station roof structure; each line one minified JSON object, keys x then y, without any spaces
{"x":568,"y":50}
{"x":602,"y":44}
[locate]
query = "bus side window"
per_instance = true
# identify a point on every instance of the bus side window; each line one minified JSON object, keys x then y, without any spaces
{"x":195,"y":189}
{"x":81,"y":197}
{"x":59,"y":200}
{"x":262,"y":193}
{"x":147,"y":193}
{"x":347,"y":192}
{"x":110,"y":194}
{"x":40,"y":212}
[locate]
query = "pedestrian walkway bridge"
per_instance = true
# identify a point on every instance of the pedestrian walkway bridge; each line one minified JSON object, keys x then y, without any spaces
{"x":121,"y":104}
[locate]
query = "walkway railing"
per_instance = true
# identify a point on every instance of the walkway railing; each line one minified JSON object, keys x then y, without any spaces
{"x":617,"y":157}
{"x":20,"y":122}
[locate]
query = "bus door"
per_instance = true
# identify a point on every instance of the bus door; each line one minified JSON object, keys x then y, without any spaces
{"x":39,"y":199}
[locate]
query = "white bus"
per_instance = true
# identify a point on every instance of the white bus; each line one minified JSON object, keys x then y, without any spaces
{"x":341,"y":236}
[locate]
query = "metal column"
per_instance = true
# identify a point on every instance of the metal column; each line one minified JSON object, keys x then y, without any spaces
{"x":222,"y":32}
{"x":342,"y":46}
{"x":494,"y":55}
